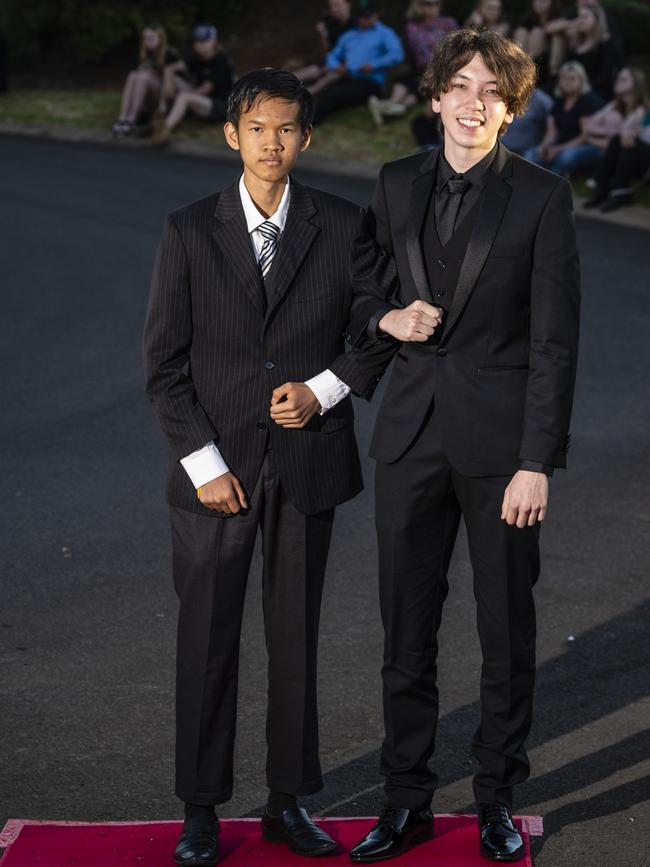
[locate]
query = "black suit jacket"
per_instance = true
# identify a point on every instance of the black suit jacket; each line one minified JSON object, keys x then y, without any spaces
{"x":503,"y":374}
{"x":214,"y":349}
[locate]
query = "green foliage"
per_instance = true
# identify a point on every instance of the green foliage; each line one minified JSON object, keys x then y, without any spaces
{"x":634,"y":18}
{"x":91,"y":30}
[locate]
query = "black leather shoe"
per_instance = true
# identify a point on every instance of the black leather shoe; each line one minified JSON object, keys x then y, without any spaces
{"x":199,"y":843}
{"x":296,"y":829}
{"x":500,"y":840}
{"x":396,"y":831}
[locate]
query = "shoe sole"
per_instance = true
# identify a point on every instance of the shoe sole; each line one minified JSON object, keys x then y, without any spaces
{"x":516,"y":856}
{"x":197,"y":863}
{"x":417,"y":838}
{"x":274,"y":837}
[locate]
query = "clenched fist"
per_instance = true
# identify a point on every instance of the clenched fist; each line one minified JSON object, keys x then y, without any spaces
{"x":223,"y":494}
{"x":293,"y":404}
{"x":417,"y":322}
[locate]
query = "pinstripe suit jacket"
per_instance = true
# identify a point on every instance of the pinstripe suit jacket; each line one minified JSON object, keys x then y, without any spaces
{"x":217,"y":341}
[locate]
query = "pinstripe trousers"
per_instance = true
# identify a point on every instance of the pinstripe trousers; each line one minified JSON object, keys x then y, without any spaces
{"x":211,"y":559}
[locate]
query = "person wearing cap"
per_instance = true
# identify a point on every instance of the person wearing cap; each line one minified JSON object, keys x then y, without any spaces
{"x":211,"y":77}
{"x":360,"y":60}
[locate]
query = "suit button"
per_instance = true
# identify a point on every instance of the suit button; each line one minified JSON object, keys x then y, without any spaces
{"x":441,"y":352}
{"x":441,"y":263}
{"x":261,"y":426}
{"x":440,"y":293}
{"x":269,"y":365}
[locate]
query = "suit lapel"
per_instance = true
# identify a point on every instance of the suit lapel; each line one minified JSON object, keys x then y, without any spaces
{"x":298,"y":236}
{"x":232,"y":238}
{"x":421,"y":192}
{"x":492,"y":206}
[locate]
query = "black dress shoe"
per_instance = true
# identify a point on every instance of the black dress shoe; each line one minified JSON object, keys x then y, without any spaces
{"x":396,"y":831}
{"x":295,"y":828}
{"x":199,"y":843}
{"x":500,"y":840}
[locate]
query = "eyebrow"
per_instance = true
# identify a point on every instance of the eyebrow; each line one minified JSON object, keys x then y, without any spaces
{"x":283,"y":123}
{"x":468,"y":78}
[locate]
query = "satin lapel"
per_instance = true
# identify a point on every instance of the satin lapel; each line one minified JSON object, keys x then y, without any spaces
{"x":231,"y":235}
{"x":421,"y":191}
{"x":492,"y":206}
{"x":298,"y":236}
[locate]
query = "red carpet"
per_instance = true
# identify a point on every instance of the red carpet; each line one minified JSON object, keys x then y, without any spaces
{"x":150,"y":844}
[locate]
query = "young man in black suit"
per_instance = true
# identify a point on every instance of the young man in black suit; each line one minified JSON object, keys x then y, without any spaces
{"x":250,"y":296}
{"x":468,"y":266}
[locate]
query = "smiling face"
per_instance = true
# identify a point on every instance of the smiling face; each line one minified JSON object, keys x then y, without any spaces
{"x":150,"y":38}
{"x":569,"y":83}
{"x":472,"y":113}
{"x":624,"y":83}
{"x":269,"y":138}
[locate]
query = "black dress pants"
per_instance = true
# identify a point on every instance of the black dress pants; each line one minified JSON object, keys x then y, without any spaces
{"x":211,"y":561}
{"x":419,"y":502}
{"x":345,"y":92}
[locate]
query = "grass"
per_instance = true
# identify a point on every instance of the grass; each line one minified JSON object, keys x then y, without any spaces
{"x":351,"y":135}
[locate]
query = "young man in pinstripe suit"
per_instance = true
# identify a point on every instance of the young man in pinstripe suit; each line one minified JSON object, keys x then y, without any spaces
{"x":244,"y":355}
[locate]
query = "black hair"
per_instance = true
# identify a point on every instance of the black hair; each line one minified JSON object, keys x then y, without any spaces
{"x":265,"y":84}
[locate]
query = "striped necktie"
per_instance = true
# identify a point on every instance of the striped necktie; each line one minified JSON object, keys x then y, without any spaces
{"x":270,"y":232}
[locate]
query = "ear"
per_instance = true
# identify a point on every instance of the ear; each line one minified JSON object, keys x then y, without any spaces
{"x":435,"y":104}
{"x":509,"y":117}
{"x":232,"y":137}
{"x":306,"y":138}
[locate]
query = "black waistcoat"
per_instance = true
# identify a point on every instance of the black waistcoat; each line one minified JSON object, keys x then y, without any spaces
{"x":442,"y":263}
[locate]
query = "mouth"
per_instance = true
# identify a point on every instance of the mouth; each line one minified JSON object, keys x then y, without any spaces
{"x":272,"y":161}
{"x":470,"y":122}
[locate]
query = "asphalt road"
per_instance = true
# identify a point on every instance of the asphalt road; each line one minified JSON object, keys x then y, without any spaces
{"x":87,"y":612}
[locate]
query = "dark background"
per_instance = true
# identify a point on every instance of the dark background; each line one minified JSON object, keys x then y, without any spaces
{"x":79,"y":40}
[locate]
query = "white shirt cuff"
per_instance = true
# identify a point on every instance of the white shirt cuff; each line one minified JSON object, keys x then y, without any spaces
{"x":329,"y":390}
{"x":204,"y":465}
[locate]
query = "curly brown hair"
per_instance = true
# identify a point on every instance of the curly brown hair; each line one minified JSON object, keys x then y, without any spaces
{"x":515,"y":71}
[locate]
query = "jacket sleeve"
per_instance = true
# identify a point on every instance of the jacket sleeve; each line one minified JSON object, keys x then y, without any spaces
{"x":373,"y":275}
{"x":166,"y":349}
{"x":373,"y":269}
{"x":554,"y":332}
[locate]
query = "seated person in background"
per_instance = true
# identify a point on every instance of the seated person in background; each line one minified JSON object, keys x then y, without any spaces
{"x":211,"y":79}
{"x":574,"y":100}
{"x":360,"y":59}
{"x":143,"y":87}
{"x":627,"y":153}
{"x":564,"y":28}
{"x":425,"y":26}
{"x":590,"y":45}
{"x":537,"y":34}
{"x":331,"y":26}
{"x":527,"y":131}
{"x":489,"y":15}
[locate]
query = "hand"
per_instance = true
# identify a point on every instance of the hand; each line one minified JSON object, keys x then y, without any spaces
{"x":293,"y":404}
{"x":223,"y":494}
{"x":366,"y":67}
{"x":628,"y":139}
{"x":525,"y":499}
{"x":417,"y":322}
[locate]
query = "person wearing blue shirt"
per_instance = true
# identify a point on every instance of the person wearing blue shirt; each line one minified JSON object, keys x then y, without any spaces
{"x":361,"y":57}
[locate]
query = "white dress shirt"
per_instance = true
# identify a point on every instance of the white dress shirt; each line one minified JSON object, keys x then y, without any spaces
{"x":207,"y":463}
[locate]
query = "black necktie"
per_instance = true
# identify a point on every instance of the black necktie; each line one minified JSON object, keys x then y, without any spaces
{"x":455,"y":188}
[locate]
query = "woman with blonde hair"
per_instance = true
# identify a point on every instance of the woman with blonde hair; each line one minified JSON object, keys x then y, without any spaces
{"x":574,"y":100}
{"x":142,"y":90}
{"x":593,"y":48}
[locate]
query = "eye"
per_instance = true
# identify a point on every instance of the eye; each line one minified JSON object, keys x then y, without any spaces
{"x":458,"y":86}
